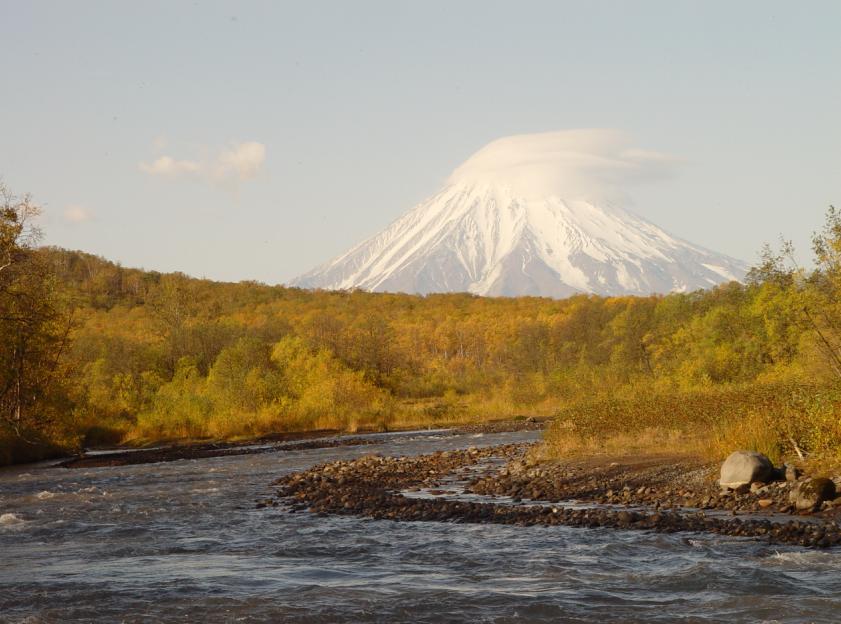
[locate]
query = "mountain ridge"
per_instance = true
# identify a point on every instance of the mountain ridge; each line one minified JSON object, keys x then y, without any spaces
{"x":500,"y":227}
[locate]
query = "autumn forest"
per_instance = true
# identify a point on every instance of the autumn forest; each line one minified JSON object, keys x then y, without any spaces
{"x":94,"y":353}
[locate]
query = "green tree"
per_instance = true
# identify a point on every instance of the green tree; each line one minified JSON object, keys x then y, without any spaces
{"x":33,"y":327}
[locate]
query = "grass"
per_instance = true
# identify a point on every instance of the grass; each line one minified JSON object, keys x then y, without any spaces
{"x":772,"y":418}
{"x":652,"y":440}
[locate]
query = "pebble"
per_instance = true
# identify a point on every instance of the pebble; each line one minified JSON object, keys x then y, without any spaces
{"x":371,"y":487}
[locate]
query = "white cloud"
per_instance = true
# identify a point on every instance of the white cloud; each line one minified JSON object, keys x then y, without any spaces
{"x":77,"y":214}
{"x":571,"y":164}
{"x":243,"y":160}
{"x":239,"y":162}
{"x":168,"y":166}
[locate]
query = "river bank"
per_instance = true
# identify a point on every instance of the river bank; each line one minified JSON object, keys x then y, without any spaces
{"x":496,"y":485}
{"x":295,"y":441}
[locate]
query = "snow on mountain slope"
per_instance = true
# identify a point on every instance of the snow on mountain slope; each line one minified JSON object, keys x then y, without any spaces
{"x":530,"y":215}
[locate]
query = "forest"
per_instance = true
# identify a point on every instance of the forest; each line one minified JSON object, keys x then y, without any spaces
{"x":92,"y":353}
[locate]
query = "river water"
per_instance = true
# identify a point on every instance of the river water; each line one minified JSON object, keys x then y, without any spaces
{"x":182,"y":541}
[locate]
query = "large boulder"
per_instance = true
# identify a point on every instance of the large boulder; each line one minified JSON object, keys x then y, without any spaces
{"x":744,"y":467}
{"x":808,"y":495}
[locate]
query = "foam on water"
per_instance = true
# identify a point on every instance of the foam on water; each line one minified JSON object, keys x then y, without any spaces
{"x":10,"y":520}
{"x":809,"y":558}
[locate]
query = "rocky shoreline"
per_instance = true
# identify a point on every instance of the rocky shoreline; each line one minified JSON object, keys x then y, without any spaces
{"x":203,"y":451}
{"x":658,"y":481}
{"x":530,"y":423}
{"x":656,"y":494}
{"x":271,"y":444}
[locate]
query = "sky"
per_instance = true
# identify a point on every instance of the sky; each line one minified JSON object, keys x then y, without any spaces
{"x":256,"y":140}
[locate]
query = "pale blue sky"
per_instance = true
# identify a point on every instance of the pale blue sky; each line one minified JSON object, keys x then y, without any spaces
{"x":364,"y":108}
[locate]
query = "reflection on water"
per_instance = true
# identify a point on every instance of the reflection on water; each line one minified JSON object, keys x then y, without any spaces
{"x":181,"y":541}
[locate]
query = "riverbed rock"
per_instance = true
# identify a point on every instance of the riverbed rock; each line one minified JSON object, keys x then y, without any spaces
{"x":374,"y":486}
{"x":808,"y":495}
{"x":792,"y":472}
{"x":744,"y":467}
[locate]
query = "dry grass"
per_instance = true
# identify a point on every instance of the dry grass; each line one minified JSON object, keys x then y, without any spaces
{"x":713,"y":422}
{"x":650,"y":441}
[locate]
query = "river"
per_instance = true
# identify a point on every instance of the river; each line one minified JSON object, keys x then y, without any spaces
{"x":183,"y":541}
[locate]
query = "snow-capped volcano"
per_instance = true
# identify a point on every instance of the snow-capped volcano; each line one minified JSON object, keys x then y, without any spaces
{"x":531,"y":215}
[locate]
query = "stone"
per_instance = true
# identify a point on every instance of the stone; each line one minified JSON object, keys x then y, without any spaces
{"x":778,"y":474}
{"x":742,"y":468}
{"x":765,"y":502}
{"x":808,"y":495}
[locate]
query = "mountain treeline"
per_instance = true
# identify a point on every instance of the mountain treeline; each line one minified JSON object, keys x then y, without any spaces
{"x":96,"y":353}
